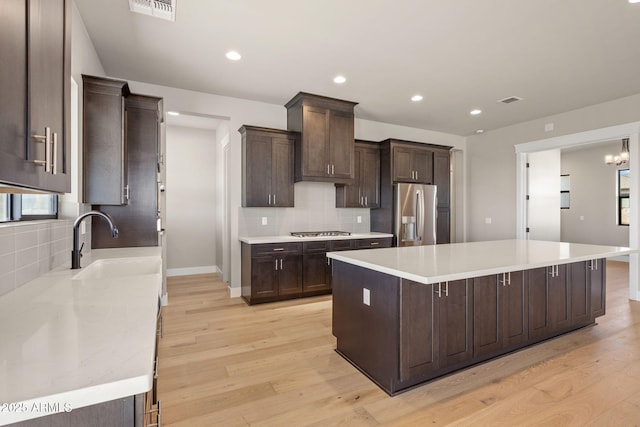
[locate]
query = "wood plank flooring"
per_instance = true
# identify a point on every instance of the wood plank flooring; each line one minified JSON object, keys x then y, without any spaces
{"x":223,"y":363}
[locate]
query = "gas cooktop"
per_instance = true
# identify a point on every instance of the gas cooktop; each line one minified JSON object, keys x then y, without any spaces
{"x":319,"y":233}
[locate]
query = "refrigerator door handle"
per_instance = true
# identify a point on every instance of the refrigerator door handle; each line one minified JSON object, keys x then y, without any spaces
{"x":419,"y":215}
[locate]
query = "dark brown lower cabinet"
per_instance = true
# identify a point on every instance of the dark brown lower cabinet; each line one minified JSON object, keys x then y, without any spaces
{"x":316,"y":268}
{"x":597,"y":275}
{"x":455,"y":306}
{"x":401,"y":333}
{"x":273,"y":272}
{"x":499,"y":313}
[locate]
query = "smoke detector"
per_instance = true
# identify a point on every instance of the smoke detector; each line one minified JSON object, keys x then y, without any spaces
{"x":510,"y":99}
{"x":165,"y":9}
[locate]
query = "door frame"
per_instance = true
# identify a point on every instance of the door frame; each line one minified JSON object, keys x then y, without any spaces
{"x":628,"y":130}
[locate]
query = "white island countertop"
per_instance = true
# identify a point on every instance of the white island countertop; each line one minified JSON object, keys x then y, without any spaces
{"x":66,"y":344}
{"x":441,"y":263}
{"x":293,"y":239}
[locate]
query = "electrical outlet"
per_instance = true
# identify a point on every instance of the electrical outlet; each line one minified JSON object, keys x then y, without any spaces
{"x":548,"y":127}
{"x":366,"y":296}
{"x":358,"y":219}
{"x":264,"y":220}
{"x":487,"y":220}
{"x":83,"y":227}
{"x":581,"y":217}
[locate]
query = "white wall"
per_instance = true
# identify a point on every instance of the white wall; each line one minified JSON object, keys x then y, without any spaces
{"x":191,"y":200}
{"x":241,"y":112}
{"x":592,"y":216}
{"x":491,"y":162}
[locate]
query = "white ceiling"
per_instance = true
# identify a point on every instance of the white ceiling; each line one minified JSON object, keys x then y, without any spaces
{"x":558,"y":55}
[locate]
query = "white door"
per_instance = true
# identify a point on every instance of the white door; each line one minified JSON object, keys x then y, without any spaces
{"x":543,"y":191}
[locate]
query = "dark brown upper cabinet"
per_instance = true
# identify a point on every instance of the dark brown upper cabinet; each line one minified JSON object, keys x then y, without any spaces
{"x":325,"y":150}
{"x":35,"y":76}
{"x":105,"y":141}
{"x":365,"y":190}
{"x":137,"y":220}
{"x":412,"y":164}
{"x":267,"y":167}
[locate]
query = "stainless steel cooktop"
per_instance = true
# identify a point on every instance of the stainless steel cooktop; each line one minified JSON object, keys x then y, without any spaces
{"x":319,"y":233}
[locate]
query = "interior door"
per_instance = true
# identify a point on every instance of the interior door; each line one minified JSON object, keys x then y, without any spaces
{"x":543,"y":190}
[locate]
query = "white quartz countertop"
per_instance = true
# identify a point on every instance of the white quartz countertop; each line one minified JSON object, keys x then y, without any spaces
{"x":441,"y":263}
{"x":288,"y":239}
{"x":69,"y":343}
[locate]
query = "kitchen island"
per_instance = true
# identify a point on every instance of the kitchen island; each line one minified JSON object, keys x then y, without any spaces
{"x":404,"y":316}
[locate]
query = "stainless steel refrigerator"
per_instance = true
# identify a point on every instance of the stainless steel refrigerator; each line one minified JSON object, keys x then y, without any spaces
{"x":414,"y":214}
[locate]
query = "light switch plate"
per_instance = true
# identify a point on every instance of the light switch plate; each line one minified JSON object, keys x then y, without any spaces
{"x":366,"y":296}
{"x":487,"y":220}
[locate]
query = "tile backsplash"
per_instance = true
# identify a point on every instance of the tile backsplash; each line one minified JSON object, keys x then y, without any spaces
{"x":30,"y":249}
{"x":314,"y":211}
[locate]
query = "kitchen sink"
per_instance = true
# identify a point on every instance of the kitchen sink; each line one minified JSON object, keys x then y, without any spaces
{"x":110,"y":268}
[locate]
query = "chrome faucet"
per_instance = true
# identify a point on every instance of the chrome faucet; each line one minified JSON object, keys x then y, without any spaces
{"x":76,"y":253}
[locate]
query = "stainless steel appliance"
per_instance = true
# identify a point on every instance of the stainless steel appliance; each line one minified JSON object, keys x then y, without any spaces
{"x":319,"y":233}
{"x":414,"y":214}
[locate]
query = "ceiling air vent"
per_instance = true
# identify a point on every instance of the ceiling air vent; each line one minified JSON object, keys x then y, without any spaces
{"x":510,"y":100}
{"x":165,"y":9}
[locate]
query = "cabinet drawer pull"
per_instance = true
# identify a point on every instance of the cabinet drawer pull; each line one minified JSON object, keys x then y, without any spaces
{"x":54,"y":157}
{"x":328,"y":261}
{"x":276,"y":265}
{"x":269,"y":198}
{"x":333,"y":171}
{"x":366,"y":201}
{"x":46,"y":140}
{"x":439,"y":291}
{"x":155,"y":368}
{"x":446,"y":289}
{"x":278,"y":249}
{"x":158,"y":411}
{"x":274,"y":198}
{"x":328,"y":169}
{"x":375,"y":243}
{"x":280,"y":263}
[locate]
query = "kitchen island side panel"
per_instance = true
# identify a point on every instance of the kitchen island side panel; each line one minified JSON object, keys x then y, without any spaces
{"x":367,"y":334}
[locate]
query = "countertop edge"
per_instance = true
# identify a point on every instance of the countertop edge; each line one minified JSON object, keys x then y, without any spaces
{"x":291,"y":239}
{"x":341,"y":256}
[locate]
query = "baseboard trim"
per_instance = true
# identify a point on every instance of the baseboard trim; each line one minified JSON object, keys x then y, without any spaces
{"x":234,"y":292}
{"x":188,"y":271}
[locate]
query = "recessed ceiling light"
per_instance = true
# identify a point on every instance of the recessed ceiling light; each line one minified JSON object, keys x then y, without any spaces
{"x":233,"y":55}
{"x":475,"y":112}
{"x":416,"y":98}
{"x":480,"y":131}
{"x":339,"y":79}
{"x":173,"y":113}
{"x":634,"y":1}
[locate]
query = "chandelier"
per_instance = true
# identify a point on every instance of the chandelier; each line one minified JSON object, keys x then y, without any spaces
{"x":619,"y":159}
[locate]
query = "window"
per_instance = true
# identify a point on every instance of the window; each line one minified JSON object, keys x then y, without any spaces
{"x":565,"y":188}
{"x":623,"y":197}
{"x":25,"y":207}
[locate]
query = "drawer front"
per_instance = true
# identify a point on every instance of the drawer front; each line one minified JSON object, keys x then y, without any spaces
{"x":341,"y":245}
{"x":315,"y":247}
{"x":373,"y":243}
{"x":275,"y":248}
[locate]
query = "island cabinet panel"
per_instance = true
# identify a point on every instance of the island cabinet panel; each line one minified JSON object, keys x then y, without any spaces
{"x":559,"y":297}
{"x":515,"y":310}
{"x":419,"y":338}
{"x":499,"y":313}
{"x":455,"y":311}
{"x":597,"y":275}
{"x":366,"y":321}
{"x":539,"y":325}
{"x":580,"y":293}
{"x":487,"y":316}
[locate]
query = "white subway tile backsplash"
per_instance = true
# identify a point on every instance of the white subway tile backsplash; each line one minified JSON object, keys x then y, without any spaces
{"x":26,"y":240}
{"x":314,"y":211}
{"x":7,"y":282}
{"x":28,"y":250}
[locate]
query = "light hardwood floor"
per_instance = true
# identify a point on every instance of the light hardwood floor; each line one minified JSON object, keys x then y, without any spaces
{"x":223,"y":363}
